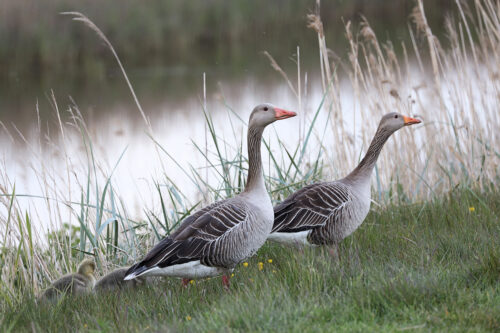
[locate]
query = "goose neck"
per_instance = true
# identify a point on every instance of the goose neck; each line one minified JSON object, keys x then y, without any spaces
{"x":364,"y":169}
{"x":255,"y":178}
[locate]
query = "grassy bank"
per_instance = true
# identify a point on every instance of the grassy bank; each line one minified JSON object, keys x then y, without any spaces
{"x":428,"y":266}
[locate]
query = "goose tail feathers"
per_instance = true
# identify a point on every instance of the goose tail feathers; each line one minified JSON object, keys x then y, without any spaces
{"x":136,"y":271}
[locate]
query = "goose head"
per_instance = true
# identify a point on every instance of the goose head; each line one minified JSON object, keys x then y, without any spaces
{"x":393,"y":121}
{"x":265,"y":114}
{"x":87,"y":269}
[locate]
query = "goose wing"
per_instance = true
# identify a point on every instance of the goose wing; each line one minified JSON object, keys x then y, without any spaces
{"x":310,"y":207}
{"x":197,"y":238}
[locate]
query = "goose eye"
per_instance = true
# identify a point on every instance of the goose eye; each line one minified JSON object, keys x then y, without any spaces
{"x":266,"y":108}
{"x":395,"y":116}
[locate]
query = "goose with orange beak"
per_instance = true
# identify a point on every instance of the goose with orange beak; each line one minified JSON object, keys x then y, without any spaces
{"x":325,"y":213}
{"x":216,"y":238}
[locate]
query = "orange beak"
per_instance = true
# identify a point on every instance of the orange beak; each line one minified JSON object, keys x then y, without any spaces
{"x":283,"y":114}
{"x":410,"y":121}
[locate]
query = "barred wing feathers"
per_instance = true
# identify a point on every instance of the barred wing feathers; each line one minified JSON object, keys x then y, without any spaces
{"x":310,"y":207}
{"x":202,"y":236}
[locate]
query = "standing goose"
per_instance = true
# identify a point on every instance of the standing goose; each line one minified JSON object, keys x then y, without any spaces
{"x":216,"y":238}
{"x":325,"y":213}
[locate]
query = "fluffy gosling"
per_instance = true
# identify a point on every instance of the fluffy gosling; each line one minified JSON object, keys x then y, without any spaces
{"x":114,"y":280}
{"x":78,"y":283}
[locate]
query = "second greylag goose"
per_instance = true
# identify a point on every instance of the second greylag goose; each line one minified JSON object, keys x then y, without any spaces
{"x":327,"y":212}
{"x":216,"y":238}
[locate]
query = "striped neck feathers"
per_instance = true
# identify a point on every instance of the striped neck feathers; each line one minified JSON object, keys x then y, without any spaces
{"x":364,"y":169}
{"x":255,"y":178}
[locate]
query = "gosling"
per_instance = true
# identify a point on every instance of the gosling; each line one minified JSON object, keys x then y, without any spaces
{"x":78,"y":283}
{"x":114,"y":280}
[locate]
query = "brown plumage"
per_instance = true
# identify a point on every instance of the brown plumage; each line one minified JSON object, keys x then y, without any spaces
{"x":114,"y":281}
{"x":77,"y":283}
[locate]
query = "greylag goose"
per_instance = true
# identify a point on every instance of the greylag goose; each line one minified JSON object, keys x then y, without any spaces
{"x":74,"y":284}
{"x":114,"y":280}
{"x":216,"y":238}
{"x":325,"y":213}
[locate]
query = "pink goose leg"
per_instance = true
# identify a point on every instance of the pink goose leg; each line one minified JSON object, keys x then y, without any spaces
{"x":185,"y":282}
{"x":225,"y":282}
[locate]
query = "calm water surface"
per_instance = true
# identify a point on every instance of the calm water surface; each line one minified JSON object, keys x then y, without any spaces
{"x":43,"y":160}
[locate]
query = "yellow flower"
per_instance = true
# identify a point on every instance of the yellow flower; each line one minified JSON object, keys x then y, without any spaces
{"x":85,"y":325}
{"x":232,"y":274}
{"x":270,"y":261}
{"x":245,"y":264}
{"x":261,"y":266}
{"x":274,"y":271}
{"x":192,"y":282}
{"x":472,"y":209}
{"x":188,"y":318}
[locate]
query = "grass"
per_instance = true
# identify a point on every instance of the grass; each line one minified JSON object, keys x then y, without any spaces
{"x":427,"y":257}
{"x":428,"y":266}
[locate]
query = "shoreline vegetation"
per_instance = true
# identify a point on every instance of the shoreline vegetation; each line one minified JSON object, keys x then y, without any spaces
{"x":166,"y":45}
{"x":427,"y":257}
{"x":418,"y":267}
{"x":42,"y":45}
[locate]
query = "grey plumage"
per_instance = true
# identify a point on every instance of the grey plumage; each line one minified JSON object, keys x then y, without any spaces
{"x":327,"y":212}
{"x":114,"y":281}
{"x":211,"y":235}
{"x":73,"y":284}
{"x":324,"y":209}
{"x":224,"y":233}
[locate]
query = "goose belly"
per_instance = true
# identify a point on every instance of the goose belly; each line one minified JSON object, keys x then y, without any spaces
{"x":357,"y":215}
{"x":255,"y":238}
{"x":190,"y":270}
{"x":254,"y":232}
{"x":291,"y":238}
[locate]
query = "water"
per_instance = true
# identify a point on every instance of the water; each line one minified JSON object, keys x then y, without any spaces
{"x":176,"y":121}
{"x":43,"y":161}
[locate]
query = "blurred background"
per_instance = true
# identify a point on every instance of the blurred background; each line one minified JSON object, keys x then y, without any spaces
{"x":165,"y":47}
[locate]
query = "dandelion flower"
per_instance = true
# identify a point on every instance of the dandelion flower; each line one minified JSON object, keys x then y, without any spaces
{"x":270,"y":261}
{"x":261,"y":266}
{"x":188,"y":318}
{"x":245,"y":264}
{"x":232,"y":274}
{"x":472,"y":209}
{"x":192,"y":282}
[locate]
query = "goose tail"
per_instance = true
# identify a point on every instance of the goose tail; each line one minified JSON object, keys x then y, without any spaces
{"x":136,"y":271}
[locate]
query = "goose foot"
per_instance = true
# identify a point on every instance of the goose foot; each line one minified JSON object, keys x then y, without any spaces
{"x":225,"y":282}
{"x":185,"y":282}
